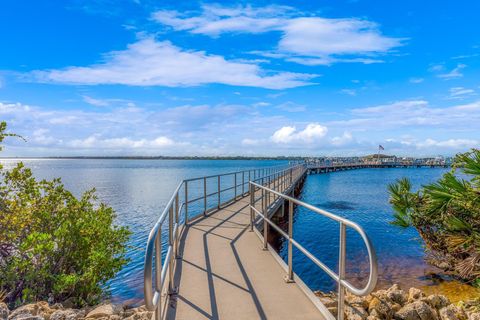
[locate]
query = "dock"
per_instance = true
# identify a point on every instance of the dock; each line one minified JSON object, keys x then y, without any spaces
{"x":210,"y":247}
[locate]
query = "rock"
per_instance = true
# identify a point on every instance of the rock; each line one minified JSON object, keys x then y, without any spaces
{"x":104,"y":310}
{"x":354,"y":300}
{"x":68,"y":314}
{"x":417,"y":310}
{"x":26,"y":310}
{"x":4,"y":311}
{"x":397,"y":295}
{"x":447,"y":314}
{"x":370,"y":317}
{"x":437,"y":301}
{"x":474,"y":316}
{"x":145,"y":315}
{"x":415,"y":294}
{"x":382,"y":308}
{"x":355,"y":313}
{"x":328,"y":302}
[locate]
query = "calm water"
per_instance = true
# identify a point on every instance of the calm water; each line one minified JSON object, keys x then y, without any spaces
{"x":139,"y":189}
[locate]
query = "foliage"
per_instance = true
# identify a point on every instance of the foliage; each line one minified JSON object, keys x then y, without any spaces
{"x":446,"y":214}
{"x":53,"y":243}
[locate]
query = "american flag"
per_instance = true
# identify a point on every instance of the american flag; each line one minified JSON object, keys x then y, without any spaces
{"x":380,"y":147}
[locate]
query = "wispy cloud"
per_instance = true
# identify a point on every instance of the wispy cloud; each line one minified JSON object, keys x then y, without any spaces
{"x":416,"y":80}
{"x":461,"y":93}
{"x":454,"y":73}
{"x":159,"y":63}
{"x":95,"y":102}
{"x":304,"y":39}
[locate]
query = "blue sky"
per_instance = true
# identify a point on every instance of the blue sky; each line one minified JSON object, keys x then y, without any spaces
{"x":138,"y":77}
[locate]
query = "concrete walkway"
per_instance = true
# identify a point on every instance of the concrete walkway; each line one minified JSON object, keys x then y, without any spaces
{"x":225,"y":274}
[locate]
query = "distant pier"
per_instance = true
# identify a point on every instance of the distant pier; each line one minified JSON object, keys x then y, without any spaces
{"x":324,"y":167}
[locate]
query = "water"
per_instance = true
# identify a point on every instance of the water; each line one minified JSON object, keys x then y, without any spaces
{"x":139,"y":189}
{"x":361,"y":196}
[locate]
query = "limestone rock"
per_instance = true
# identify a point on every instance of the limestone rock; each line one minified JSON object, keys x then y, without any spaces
{"x":447,"y":314}
{"x":474,"y":316}
{"x":417,"y":310}
{"x":144,"y":315}
{"x":4,"y":311}
{"x":415,"y":294}
{"x":381,"y":307}
{"x":104,"y":310}
{"x":437,"y":301}
{"x":355,"y":313}
{"x":397,"y":295}
{"x":68,"y":314}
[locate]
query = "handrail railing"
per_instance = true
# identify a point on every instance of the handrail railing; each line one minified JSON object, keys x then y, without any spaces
{"x":265,"y":191}
{"x":172,"y":214}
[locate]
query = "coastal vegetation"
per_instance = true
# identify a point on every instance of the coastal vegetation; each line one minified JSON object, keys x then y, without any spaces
{"x":446,"y":214}
{"x":53,"y":245}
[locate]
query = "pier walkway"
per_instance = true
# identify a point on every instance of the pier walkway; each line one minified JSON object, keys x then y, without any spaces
{"x":213,"y":258}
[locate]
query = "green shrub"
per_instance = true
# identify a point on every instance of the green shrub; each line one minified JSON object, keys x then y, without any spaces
{"x":53,"y":243}
{"x":447,"y":216}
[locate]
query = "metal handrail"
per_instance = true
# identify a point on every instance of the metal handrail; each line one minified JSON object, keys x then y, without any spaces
{"x":340,"y":277}
{"x":173,"y":210}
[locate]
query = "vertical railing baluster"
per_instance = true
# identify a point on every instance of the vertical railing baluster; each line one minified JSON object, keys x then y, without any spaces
{"x":204,"y":195}
{"x":243,"y":183}
{"x":218,"y":191}
{"x":341,"y":271}
{"x":170,"y":244}
{"x":186,"y":202}
{"x":158,"y":272}
{"x":235,"y":185}
{"x":177,"y":213}
{"x":265,"y":225}
{"x":290,"y":245}
{"x":252,"y":204}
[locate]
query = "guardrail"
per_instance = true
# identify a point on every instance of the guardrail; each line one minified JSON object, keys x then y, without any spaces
{"x":267,"y":202}
{"x":227,"y":187}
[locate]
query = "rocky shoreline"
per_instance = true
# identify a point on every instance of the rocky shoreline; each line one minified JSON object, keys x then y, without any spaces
{"x":43,"y":311}
{"x":397,"y":304}
{"x":392,"y":303}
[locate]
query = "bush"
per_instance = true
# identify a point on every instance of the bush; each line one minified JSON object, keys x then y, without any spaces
{"x":447,"y":216}
{"x":53,"y":244}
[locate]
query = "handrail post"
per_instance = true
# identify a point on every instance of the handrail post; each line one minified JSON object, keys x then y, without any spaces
{"x":218,"y":192}
{"x":235,"y":184}
{"x":341,"y":271}
{"x":252,"y":204}
{"x":170,"y":243}
{"x":177,"y":213}
{"x":204,"y":196}
{"x":265,"y":225}
{"x":243,"y":183}
{"x":158,"y":272}
{"x":186,"y":202}
{"x":290,"y":246}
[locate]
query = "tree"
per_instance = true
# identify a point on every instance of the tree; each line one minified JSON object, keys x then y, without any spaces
{"x":53,"y":243}
{"x":446,"y":214}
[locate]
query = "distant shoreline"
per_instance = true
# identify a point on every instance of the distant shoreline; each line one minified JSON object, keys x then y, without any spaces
{"x":152,"y":158}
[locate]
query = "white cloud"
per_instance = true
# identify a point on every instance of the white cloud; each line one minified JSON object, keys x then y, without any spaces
{"x":121,"y":143}
{"x":350,"y":92}
{"x":312,"y":133}
{"x":454,"y":73}
{"x":159,"y":63}
{"x":95,"y":102}
{"x":461,"y":93}
{"x":416,"y":114}
{"x":309,"y":40}
{"x":416,"y":80}
{"x":342,"y":140}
